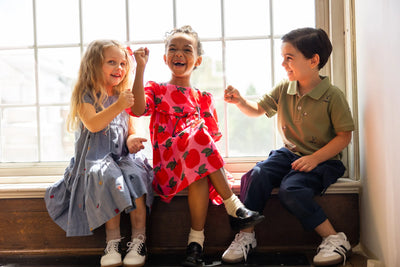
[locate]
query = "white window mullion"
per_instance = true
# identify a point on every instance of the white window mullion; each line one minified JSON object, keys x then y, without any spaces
{"x":36,"y":69}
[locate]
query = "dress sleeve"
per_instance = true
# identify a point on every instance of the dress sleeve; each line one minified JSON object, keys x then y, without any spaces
{"x":209,"y":114}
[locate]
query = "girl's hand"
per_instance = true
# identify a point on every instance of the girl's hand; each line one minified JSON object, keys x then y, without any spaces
{"x":141,"y":56}
{"x":126,"y":99}
{"x":232,"y":95}
{"x":135,"y":144}
{"x":305,"y":163}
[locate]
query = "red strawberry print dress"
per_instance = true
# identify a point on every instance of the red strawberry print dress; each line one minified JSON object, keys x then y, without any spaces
{"x":183,"y":131}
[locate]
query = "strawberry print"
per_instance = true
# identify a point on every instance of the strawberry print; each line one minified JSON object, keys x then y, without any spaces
{"x":178,"y":95}
{"x":201,"y":137}
{"x":182,"y":141}
{"x":192,"y":158}
{"x":183,"y":131}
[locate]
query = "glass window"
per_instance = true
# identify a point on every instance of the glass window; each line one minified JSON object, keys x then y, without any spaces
{"x":19,"y":135}
{"x":16,"y":18}
{"x":60,"y":18}
{"x":287,"y":15}
{"x":17,"y":77}
{"x":103,"y":19}
{"x":147,"y":22}
{"x":241,"y":41}
{"x":58,"y":69}
{"x":251,"y":20}
{"x":196,"y":13}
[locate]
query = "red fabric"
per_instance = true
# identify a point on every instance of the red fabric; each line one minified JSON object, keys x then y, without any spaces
{"x":183,"y":131}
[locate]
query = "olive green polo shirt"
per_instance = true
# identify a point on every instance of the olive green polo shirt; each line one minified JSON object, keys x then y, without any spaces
{"x":307,"y":123}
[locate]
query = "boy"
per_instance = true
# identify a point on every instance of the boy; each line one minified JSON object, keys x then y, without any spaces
{"x":315,"y":122}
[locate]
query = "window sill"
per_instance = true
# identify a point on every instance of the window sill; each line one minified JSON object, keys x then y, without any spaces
{"x":37,"y":189}
{"x":31,"y":180}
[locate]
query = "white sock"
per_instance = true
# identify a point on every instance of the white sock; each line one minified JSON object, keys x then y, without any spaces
{"x":232,"y":204}
{"x":139,"y":233}
{"x":196,"y":236}
{"x":112,"y":234}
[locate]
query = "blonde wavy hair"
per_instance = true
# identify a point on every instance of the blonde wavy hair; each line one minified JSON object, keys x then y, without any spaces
{"x":91,"y":79}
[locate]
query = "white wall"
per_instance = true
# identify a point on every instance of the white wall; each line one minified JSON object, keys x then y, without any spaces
{"x":378,"y":64}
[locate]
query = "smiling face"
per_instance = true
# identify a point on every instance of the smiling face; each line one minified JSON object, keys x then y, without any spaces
{"x":298,"y":68}
{"x":181,"y":57}
{"x":114,"y":67}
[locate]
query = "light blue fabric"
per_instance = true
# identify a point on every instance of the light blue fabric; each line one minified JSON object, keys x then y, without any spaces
{"x":102,"y":179}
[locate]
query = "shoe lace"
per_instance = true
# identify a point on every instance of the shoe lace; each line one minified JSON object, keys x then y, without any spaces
{"x":240,"y":244}
{"x":112,"y":246}
{"x":136,"y":244}
{"x":333,"y":244}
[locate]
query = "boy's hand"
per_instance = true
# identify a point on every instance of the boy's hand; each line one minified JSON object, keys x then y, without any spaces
{"x":232,"y":95}
{"x":141,"y":56}
{"x":135,"y":144}
{"x":305,"y":164}
{"x":126,"y":99}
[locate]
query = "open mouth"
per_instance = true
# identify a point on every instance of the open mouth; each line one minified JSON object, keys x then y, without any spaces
{"x":179,"y":64}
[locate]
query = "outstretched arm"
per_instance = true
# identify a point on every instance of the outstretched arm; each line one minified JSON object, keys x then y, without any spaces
{"x":250,"y":108}
{"x":97,"y":121}
{"x":141,"y":57}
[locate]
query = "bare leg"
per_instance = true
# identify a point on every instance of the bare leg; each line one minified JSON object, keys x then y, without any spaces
{"x":138,"y":216}
{"x":220,"y":183}
{"x":113,"y":228}
{"x":198,"y":203}
{"x":325,"y":229}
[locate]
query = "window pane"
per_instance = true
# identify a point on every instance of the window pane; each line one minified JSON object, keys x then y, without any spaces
{"x":58,"y":71}
{"x":287,"y":15}
{"x":204,"y":16}
{"x":19,"y":135}
{"x":16,"y":20}
{"x":280,"y":72}
{"x":104,"y":19}
{"x":150,"y":25}
{"x":57,"y":144}
{"x":17,"y":77}
{"x":253,"y":20}
{"x":249,"y":136}
{"x":57,"y":21}
{"x":156,"y":70}
{"x":209,"y":75}
{"x":248,"y":66}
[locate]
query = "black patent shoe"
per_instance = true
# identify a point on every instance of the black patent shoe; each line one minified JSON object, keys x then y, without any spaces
{"x":245,"y":218}
{"x":194,"y":255}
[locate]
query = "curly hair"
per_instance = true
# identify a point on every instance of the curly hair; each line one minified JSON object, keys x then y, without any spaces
{"x":187,"y":29}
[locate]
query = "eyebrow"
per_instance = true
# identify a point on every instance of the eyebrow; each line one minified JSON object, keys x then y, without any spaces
{"x":186,"y":45}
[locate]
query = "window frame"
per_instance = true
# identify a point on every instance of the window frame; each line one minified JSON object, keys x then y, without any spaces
{"x":335,"y":17}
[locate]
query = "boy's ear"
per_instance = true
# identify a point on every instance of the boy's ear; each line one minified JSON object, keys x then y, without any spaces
{"x":198,"y":61}
{"x":315,"y":60}
{"x":165,"y":59}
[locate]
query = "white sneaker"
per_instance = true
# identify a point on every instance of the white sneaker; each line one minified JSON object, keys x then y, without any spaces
{"x":333,"y":250}
{"x":136,"y":253}
{"x":240,"y":247}
{"x":112,"y":255}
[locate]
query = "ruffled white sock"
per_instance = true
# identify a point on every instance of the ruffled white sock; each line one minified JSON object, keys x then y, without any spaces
{"x":232,"y":204}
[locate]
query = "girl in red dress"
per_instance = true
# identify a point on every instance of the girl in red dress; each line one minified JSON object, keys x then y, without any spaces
{"x":183,"y":130}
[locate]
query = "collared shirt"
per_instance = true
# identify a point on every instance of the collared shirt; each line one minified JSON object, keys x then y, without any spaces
{"x":307,"y":123}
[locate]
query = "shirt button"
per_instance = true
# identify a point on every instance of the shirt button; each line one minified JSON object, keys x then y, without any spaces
{"x":299,"y":108}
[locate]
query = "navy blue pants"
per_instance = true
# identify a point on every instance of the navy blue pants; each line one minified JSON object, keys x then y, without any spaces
{"x":296,"y":189}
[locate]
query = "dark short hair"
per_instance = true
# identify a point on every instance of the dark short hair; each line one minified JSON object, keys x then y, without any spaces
{"x":310,"y":41}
